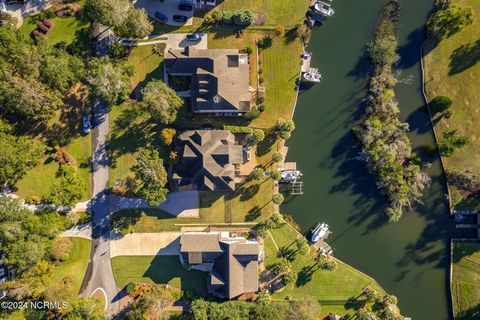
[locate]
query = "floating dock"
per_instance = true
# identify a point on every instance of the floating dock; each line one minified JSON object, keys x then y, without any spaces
{"x":308,"y":72}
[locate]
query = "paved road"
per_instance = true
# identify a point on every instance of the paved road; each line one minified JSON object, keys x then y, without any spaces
{"x":99,"y":273}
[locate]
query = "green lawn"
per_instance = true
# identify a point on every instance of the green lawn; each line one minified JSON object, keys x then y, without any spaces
{"x":452,"y":69}
{"x":332,"y":286}
{"x":75,"y":266}
{"x":215,"y":208}
{"x":65,"y":29}
{"x":37,"y":181}
{"x":466,"y":281}
{"x":148,"y":66}
{"x":282,"y":12}
{"x":158,"y":270}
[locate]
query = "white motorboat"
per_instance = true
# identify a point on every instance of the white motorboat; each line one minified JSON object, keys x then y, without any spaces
{"x":312,"y":76}
{"x":319,"y":232}
{"x":323,"y":8}
{"x":290,"y":175}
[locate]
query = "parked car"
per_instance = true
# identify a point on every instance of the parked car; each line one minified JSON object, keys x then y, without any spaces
{"x":194,"y":37}
{"x":160,"y":17}
{"x":185,"y":7}
{"x":86,"y":124}
{"x":179,"y":18}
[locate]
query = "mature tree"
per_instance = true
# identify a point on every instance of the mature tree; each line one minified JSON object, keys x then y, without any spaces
{"x":151,"y":302}
{"x":276,"y":175}
{"x":278,"y":198}
{"x":283,"y":128}
{"x":17,"y":53}
{"x":326,"y":262}
{"x":277,"y":157}
{"x":121,"y":16}
{"x":59,"y":70}
{"x":452,"y":140}
{"x":255,"y":137}
{"x":280,"y":267}
{"x":167,"y":135}
{"x":289,"y":277}
{"x":151,"y":176}
{"x":110,"y":81}
{"x":450,"y":20}
{"x":135,"y":25}
{"x":85,"y":308}
{"x":27,"y":284}
{"x":111,"y":13}
{"x":161,"y":102}
{"x":61,"y":248}
{"x":18,"y":155}
{"x":302,"y":245}
{"x":440,"y":104}
{"x":68,"y":188}
{"x":28,"y":98}
{"x":257,"y":174}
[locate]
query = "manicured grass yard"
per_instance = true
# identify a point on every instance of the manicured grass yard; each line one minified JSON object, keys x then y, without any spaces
{"x":75,"y":266}
{"x":282,"y":12}
{"x":466,"y":281}
{"x":339,"y":285}
{"x":65,"y":29}
{"x":281,"y":66}
{"x":148,"y":66}
{"x":215,"y":208}
{"x":452,"y":70}
{"x":158,"y":270}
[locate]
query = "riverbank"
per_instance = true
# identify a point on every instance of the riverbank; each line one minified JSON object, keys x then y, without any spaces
{"x":337,"y":188}
{"x":451,"y":70}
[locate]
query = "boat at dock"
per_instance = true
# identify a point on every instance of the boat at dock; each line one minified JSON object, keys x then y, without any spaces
{"x":290,"y":175}
{"x":320,"y":232}
{"x":323,"y":8}
{"x":309,"y":74}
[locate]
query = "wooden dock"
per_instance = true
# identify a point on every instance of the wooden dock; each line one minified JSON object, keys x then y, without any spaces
{"x":322,"y":246}
{"x":306,"y":61}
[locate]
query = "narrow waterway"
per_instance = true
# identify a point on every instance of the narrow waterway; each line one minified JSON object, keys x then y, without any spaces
{"x":410,"y":258}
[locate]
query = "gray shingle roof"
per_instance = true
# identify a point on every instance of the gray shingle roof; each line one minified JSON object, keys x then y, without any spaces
{"x":220,"y":77}
{"x":235,"y":269}
{"x":207,"y":160}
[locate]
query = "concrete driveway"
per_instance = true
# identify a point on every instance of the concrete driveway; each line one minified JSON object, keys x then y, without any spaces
{"x":146,"y":244}
{"x":168,"y":8}
{"x":183,"y":204}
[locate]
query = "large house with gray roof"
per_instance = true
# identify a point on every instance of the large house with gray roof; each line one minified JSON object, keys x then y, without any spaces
{"x":231,"y":262}
{"x":208,"y":160}
{"x":218,"y":79}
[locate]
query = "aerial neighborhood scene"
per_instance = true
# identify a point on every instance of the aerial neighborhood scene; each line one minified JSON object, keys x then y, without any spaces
{"x":240,"y":159}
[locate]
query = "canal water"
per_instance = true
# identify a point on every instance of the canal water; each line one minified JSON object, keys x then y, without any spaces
{"x":410,"y":258}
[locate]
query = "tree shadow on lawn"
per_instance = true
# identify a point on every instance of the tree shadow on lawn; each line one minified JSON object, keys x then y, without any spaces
{"x":464,"y":57}
{"x":464,"y":249}
{"x":265,"y":146}
{"x":472,"y":313}
{"x":155,"y":74}
{"x":306,"y":274}
{"x":165,"y":269}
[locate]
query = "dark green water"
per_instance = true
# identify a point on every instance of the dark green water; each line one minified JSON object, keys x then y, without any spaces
{"x":410,"y":258}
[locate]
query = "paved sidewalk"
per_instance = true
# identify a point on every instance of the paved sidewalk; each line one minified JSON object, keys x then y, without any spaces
{"x":81,"y":231}
{"x":146,"y":244}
